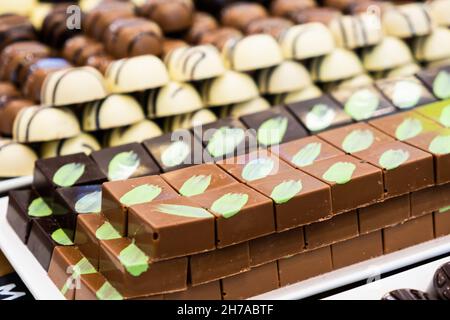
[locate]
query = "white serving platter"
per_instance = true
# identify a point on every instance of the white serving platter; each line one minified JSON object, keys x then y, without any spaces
{"x":42,"y":288}
{"x":15,"y":183}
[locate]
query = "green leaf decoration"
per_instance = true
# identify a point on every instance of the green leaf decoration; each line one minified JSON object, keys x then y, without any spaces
{"x":257,"y":169}
{"x":408,"y":129}
{"x":319,"y":117}
{"x":184,"y":211}
{"x":68,"y":174}
{"x":89,"y":203}
{"x":134,"y":260}
{"x":440,"y":145}
{"x":141,"y":194}
{"x":83,"y":267}
{"x":38,"y":208}
{"x":285,"y":191}
{"x":445,"y":209}
{"x":108,"y":292}
{"x":444,"y":119}
{"x":107,"y":232}
{"x":230,"y":204}
{"x":362,"y":104}
{"x":224,"y":141}
{"x":307,"y":155}
{"x":195,"y":185}
{"x":175,"y":154}
{"x":406,"y":94}
{"x":392,"y":159}
{"x":123,"y":165}
{"x":60,"y":237}
{"x":272,"y":131}
{"x":441,"y":85}
{"x":358,"y":140}
{"x":340,"y":172}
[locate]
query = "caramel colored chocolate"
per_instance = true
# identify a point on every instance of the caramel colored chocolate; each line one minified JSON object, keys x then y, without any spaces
{"x":430,"y":199}
{"x":91,"y":228}
{"x":384,"y":214}
{"x":339,"y":228}
{"x":358,"y":249}
{"x":236,"y":208}
{"x":54,"y":29}
{"x":159,"y":227}
{"x":410,"y":233}
{"x":306,"y":151}
{"x":405,"y":168}
{"x":95,"y":287}
{"x":284,"y":8}
{"x":79,"y":49}
{"x":9,"y":112}
{"x":208,"y":291}
{"x":219,"y":263}
{"x":239,"y":15}
{"x":198,"y":179}
{"x":276,"y":246}
{"x":66,"y":267}
{"x":129,"y":270}
{"x":251,"y":283}
{"x":354,"y":183}
{"x":118,"y":196}
{"x":14,"y":28}
{"x":202,"y":23}
{"x":320,"y":14}
{"x":298,"y":198}
{"x":355,"y":137}
{"x":442,"y":222}
{"x":299,"y":267}
{"x":272,"y":25}
{"x":220,"y":37}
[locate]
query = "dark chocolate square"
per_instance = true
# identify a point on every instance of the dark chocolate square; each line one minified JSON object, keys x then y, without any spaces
{"x":437,"y":81}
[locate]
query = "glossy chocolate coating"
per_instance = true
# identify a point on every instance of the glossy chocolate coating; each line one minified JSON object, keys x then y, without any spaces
{"x":72,"y":199}
{"x":54,"y":30}
{"x":441,"y":282}
{"x":202,"y":23}
{"x":9,"y":112}
{"x":406,"y":294}
{"x":80,"y":49}
{"x":272,"y":25}
{"x":240,"y":14}
{"x":14,"y":28}
{"x":430,"y":199}
{"x":220,"y":37}
{"x":284,"y":8}
{"x":442,"y":222}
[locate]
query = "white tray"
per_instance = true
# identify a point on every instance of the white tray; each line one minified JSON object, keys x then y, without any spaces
{"x":15,"y":183}
{"x":39,"y":284}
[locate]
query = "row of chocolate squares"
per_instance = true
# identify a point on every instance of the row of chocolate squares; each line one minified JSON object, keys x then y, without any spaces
{"x":221,"y":274}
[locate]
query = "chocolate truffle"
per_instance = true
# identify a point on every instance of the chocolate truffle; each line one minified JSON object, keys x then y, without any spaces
{"x":238,"y":205}
{"x":408,"y":20}
{"x":437,"y":80}
{"x":202,"y":23}
{"x":337,"y":65}
{"x":175,"y":150}
{"x":271,"y":25}
{"x":132,"y":273}
{"x":118,"y":196}
{"x":319,"y":114}
{"x":159,"y":227}
{"x":145,"y":129}
{"x":306,"y":151}
{"x":198,"y":179}
{"x":171,"y":16}
{"x":116,"y":110}
{"x":356,"y":137}
{"x":80,"y":48}
{"x":345,"y":174}
{"x":84,"y":142}
{"x":189,"y":120}
{"x":16,"y":159}
{"x":274,"y":126}
{"x":363,"y":103}
{"x":390,"y":53}
{"x":284,"y":8}
{"x":10,"y":107}
{"x":240,"y":14}
{"x":14,"y":28}
{"x":300,"y":42}
{"x":434,"y":46}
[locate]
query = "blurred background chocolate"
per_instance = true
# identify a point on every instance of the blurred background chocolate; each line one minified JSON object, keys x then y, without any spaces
{"x":14,"y":28}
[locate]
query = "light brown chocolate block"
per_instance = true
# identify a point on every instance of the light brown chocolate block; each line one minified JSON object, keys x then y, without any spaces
{"x":430,"y":200}
{"x":384,"y":214}
{"x":304,"y":265}
{"x":442,"y":222}
{"x":357,"y":249}
{"x":407,"y":234}
{"x":338,"y":228}
{"x":254,"y":282}
{"x":208,"y":291}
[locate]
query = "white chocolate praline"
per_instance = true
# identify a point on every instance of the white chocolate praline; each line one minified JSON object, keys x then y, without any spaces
{"x":408,"y":20}
{"x":116,"y":110}
{"x":243,"y":108}
{"x":194,"y":63}
{"x":39,"y":13}
{"x":88,"y":5}
{"x":388,"y":54}
{"x":339,"y":64}
{"x":188,"y":121}
{"x":39,"y":124}
{"x":172,"y":99}
{"x":439,"y":10}
{"x":136,"y":74}
{"x":21,"y":7}
{"x":439,"y":63}
{"x":16,"y":159}
{"x":353,"y":82}
{"x":138,"y":132}
{"x":406,"y":70}
{"x":84,"y":142}
{"x":286,"y":77}
{"x":306,"y":41}
{"x":435,"y":46}
{"x":231,"y":87}
{"x":357,"y":31}
{"x":310,"y":92}
{"x":252,"y":53}
{"x":72,"y":86}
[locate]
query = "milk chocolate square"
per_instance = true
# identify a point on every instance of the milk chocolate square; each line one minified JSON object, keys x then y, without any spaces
{"x":207,"y":291}
{"x":442,"y":222}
